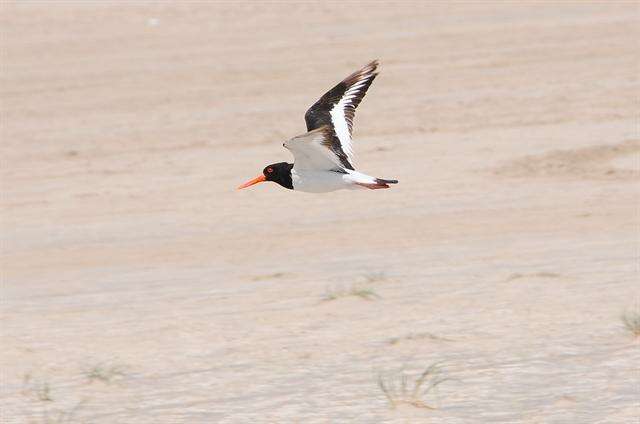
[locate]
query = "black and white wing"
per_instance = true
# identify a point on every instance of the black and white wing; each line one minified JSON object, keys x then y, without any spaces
{"x":337,"y":108}
{"x":316,"y":151}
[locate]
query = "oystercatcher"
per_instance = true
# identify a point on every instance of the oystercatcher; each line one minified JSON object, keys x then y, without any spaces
{"x":323,"y":157}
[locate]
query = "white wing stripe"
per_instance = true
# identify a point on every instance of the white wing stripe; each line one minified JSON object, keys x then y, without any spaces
{"x":336,"y":109}
{"x":342,"y":129}
{"x":339,"y":120}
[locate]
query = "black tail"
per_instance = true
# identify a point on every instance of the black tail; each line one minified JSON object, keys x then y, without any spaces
{"x":381,"y":181}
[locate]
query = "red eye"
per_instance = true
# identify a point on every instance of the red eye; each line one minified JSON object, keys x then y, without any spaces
{"x":269,"y":170}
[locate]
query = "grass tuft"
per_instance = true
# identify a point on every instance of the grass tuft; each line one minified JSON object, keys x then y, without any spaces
{"x":59,"y":416}
{"x":43,"y":392}
{"x":105,"y":373}
{"x":374,"y":277}
{"x":274,"y":276}
{"x":404,"y":389}
{"x":38,"y":389}
{"x":631,"y":321}
{"x":355,"y":290}
{"x":418,"y":336}
{"x":518,"y":276}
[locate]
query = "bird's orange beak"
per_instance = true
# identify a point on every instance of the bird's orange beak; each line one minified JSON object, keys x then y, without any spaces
{"x":256,"y":180}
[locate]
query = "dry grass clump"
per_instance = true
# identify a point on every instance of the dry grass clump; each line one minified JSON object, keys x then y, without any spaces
{"x":39,"y":391}
{"x":59,"y":416}
{"x":402,"y":388}
{"x":518,"y":276}
{"x":273,"y":276}
{"x":416,"y":337}
{"x":355,"y":290}
{"x":374,"y":277}
{"x":631,"y":321}
{"x":361,"y":288}
{"x":105,"y":373}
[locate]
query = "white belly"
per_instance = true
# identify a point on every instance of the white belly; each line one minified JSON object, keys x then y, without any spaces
{"x":325,"y":181}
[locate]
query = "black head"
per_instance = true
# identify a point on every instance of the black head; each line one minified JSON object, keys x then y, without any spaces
{"x":278,"y":172}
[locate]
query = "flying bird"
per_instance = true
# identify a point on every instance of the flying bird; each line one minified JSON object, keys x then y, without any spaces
{"x":323,"y":157}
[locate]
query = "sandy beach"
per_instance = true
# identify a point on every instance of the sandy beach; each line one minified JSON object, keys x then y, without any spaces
{"x":139,"y":286}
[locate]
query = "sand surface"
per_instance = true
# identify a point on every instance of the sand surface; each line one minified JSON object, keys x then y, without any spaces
{"x":139,"y":287}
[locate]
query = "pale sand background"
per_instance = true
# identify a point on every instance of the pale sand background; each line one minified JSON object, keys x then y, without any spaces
{"x":508,"y":250}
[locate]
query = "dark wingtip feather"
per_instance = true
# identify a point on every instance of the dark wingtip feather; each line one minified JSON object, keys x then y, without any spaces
{"x":319,"y":113}
{"x":381,"y":181}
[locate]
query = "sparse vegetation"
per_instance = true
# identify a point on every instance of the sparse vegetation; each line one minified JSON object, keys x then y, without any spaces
{"x":354,"y":290}
{"x":41,"y":390}
{"x":273,"y":276}
{"x":518,"y":276}
{"x":631,"y":321}
{"x":417,"y":336}
{"x":374,"y":277}
{"x":401,"y":388}
{"x":59,"y":416}
{"x":105,"y":373}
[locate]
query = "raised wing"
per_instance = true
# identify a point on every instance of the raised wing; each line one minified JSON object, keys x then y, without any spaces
{"x":338,"y":106}
{"x":318,"y":150}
